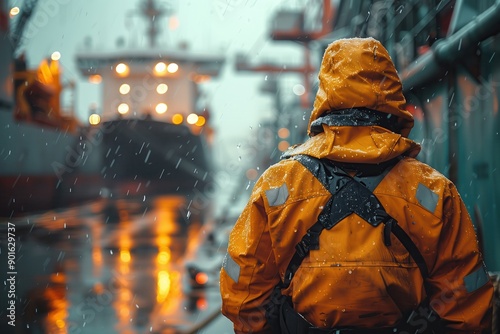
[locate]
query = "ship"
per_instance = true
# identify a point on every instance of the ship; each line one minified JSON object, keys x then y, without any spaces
{"x":153,"y":133}
{"x":37,"y":135}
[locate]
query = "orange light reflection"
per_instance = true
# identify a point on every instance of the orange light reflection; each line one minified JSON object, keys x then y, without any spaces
{"x":123,"y":302}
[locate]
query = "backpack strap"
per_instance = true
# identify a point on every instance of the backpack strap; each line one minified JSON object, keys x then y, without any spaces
{"x":349,"y":195}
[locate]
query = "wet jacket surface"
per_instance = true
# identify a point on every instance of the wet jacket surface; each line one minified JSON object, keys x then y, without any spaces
{"x":354,"y":279}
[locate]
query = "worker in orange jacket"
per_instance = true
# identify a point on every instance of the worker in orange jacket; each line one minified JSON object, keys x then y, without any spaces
{"x":360,"y":273}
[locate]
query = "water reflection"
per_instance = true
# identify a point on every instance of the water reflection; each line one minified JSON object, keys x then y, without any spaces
{"x":110,"y":267}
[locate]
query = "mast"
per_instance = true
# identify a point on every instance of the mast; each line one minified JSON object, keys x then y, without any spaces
{"x":152,"y":12}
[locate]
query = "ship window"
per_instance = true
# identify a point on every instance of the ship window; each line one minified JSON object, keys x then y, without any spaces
{"x":161,"y":108}
{"x":160,"y":68}
{"x":123,"y":108}
{"x":172,"y":68}
{"x":124,"y":89}
{"x":122,"y":69}
{"x":162,"y":88}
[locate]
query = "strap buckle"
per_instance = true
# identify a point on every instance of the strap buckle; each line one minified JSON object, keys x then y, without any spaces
{"x":309,"y":241}
{"x":302,"y":248}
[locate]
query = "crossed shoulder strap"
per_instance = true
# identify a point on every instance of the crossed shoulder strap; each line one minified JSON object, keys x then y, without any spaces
{"x":349,"y":194}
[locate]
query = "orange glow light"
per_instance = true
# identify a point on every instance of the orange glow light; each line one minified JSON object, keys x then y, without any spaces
{"x":94,"y":119}
{"x":163,"y":257}
{"x":160,"y":69}
{"x":125,"y":256}
{"x":201,"y":304}
{"x":122,"y":69}
{"x":201,"y":278}
{"x":95,"y":79}
{"x":251,"y":174}
{"x":283,"y":133}
{"x":177,"y":119}
{"x":173,"y":23}
{"x":200,"y":78}
{"x":283,"y":145}
{"x":201,"y":121}
{"x":163,"y":286}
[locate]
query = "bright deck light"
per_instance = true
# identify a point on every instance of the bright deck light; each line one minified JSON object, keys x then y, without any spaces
{"x":160,"y":68}
{"x":172,"y":68}
{"x":124,"y":89}
{"x":123,"y":108}
{"x":161,"y":108}
{"x":162,"y":88}
{"x":122,"y":69}
{"x":192,"y":118}
{"x":94,"y":119}
{"x":55,"y":55}
{"x":14,"y":11}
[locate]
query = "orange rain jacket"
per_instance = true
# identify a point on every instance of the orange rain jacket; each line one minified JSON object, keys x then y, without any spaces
{"x":354,"y":279}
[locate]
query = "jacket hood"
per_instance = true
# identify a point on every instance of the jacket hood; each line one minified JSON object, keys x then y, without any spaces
{"x":359,"y":73}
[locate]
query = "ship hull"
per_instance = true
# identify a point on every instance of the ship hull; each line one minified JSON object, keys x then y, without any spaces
{"x":36,"y":169}
{"x":151,"y":157}
{"x":44,"y":169}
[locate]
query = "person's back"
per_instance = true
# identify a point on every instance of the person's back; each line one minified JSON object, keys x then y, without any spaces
{"x":360,"y":276}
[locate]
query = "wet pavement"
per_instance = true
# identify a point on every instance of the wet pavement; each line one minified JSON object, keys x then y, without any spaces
{"x":106,"y":267}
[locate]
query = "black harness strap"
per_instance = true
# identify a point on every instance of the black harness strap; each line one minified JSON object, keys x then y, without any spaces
{"x":349,"y":195}
{"x":410,"y":246}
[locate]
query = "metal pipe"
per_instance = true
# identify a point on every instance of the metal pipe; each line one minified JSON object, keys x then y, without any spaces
{"x":446,"y":51}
